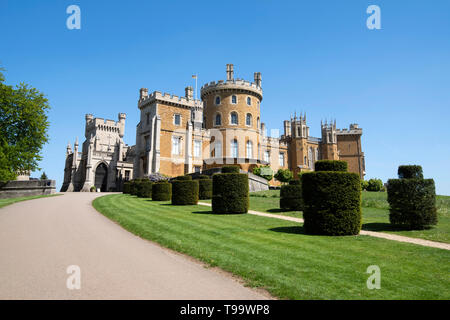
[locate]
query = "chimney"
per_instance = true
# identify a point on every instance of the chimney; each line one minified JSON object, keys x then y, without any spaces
{"x":189,"y":92}
{"x":143,"y":93}
{"x":257,"y":76}
{"x":287,"y":128}
{"x":230,"y":72}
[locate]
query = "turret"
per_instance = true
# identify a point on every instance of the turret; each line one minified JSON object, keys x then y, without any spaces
{"x":189,"y":92}
{"x":68,"y":149}
{"x":257,"y":77}
{"x":143,"y":93}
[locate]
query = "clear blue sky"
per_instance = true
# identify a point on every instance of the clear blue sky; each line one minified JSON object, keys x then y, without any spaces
{"x":314,"y":56}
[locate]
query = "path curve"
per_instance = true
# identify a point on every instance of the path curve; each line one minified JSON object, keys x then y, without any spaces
{"x":40,"y":238}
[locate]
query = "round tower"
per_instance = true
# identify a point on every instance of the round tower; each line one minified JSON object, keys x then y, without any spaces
{"x":233,"y":107}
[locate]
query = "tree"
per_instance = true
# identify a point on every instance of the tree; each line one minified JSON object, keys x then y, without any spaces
{"x":364,"y":184}
{"x":284,"y":175}
{"x":263,"y":172}
{"x":44,"y":176}
{"x":374,"y":185}
{"x":23,"y":128}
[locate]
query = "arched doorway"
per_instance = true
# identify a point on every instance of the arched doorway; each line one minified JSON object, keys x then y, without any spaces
{"x":101,"y":177}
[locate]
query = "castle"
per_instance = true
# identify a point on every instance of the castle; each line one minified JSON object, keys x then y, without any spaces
{"x":181,"y":135}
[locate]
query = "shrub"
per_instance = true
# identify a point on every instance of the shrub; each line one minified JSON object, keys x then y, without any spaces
{"x":144,"y":189}
{"x":291,"y":196}
{"x":260,"y":172}
{"x":332,"y":202}
{"x":126,"y":187}
{"x":364,"y":184}
{"x":410,"y":172}
{"x":93,"y":189}
{"x":184,"y":178}
{"x":202,"y":177}
{"x":230,"y":169}
{"x":284,"y":175}
{"x":331,"y":165}
{"x":230,"y":193}
{"x":161,"y":191}
{"x":412,"y":201}
{"x":374,"y":185}
{"x":205,"y":189}
{"x":133,"y":186}
{"x":184,"y":192}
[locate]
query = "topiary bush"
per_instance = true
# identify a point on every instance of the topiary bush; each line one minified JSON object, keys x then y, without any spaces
{"x":284,"y":175}
{"x":205,"y":187}
{"x":126,"y":187}
{"x":412,"y":200}
{"x":202,"y":177}
{"x":291,"y":196}
{"x":186,"y":177}
{"x":161,"y":191}
{"x":134,"y":186}
{"x":331,"y":165}
{"x":144,"y":189}
{"x":230,"y":193}
{"x":230,"y":169}
{"x":410,"y":172}
{"x":184,"y":192}
{"x":332,"y":202}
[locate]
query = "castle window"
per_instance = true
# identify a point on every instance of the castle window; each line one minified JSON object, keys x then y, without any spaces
{"x":249,"y":149}
{"x":299,"y":132}
{"x":218,"y":120}
{"x":281,"y":159}
{"x":310,"y":156}
{"x":217,"y":149}
{"x":267,"y":156}
{"x":304,"y":131}
{"x":304,"y":161}
{"x":176,"y":145}
{"x":234,"y":118}
{"x":147,"y":115}
{"x":249,"y":101}
{"x":127,"y":175}
{"x":177,"y":119}
{"x":217,"y":100}
{"x":248,"y":119}
{"x":234,"y":148}
{"x":197,"y":148}
{"x":258,"y":124}
{"x":233,"y":99}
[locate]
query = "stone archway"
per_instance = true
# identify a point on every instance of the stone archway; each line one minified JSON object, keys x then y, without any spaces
{"x":101,"y":177}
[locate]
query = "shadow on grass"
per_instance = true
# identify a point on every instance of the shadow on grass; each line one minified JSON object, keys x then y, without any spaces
{"x":290,"y":230}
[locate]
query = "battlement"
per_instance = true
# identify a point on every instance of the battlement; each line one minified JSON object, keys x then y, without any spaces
{"x":353,"y":129}
{"x":170,"y":99}
{"x":101,"y":124}
{"x":232,"y":84}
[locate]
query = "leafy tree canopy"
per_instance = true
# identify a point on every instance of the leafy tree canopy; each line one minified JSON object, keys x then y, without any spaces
{"x":284,"y":175}
{"x":264,"y":172}
{"x":23,"y":128}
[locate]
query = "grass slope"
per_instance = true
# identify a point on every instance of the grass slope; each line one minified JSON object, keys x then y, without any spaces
{"x":277,"y":255}
{"x":5,"y":202}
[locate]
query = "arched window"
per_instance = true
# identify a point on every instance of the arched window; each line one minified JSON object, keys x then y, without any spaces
{"x":234,"y":118}
{"x":216,"y":149}
{"x":248,"y":119}
{"x":258,"y":124}
{"x":217,"y":100}
{"x":310,"y":157}
{"x":304,"y":161}
{"x":249,"y":149}
{"x":304,"y":131}
{"x":249,"y":101}
{"x":233,"y":99}
{"x":234,"y":148}
{"x":299,"y":133}
{"x":218,"y":120}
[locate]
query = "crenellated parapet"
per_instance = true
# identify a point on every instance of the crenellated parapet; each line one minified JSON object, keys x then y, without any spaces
{"x":170,"y":99}
{"x":354,"y":129}
{"x":233,"y":84}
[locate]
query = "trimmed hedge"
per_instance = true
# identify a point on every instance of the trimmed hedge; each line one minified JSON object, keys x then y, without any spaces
{"x":144,"y":189}
{"x":331,"y":165}
{"x":332,"y":203}
{"x":291,"y":196}
{"x":230,"y":169}
{"x":410,"y":172}
{"x":205,"y":188}
{"x":202,"y":177}
{"x":184,"y":192}
{"x":412,"y":201}
{"x":161,"y":191}
{"x":133,"y":186}
{"x":126,"y":187}
{"x":230,"y":193}
{"x":183,"y":178}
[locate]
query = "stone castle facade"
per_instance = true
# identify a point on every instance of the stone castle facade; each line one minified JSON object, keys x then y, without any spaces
{"x":181,"y":135}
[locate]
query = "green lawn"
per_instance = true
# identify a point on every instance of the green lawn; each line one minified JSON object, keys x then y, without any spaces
{"x":278,"y":256}
{"x":5,"y":202}
{"x":375,"y":210}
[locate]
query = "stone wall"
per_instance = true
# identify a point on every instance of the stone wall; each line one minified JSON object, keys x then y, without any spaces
{"x":15,"y":189}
